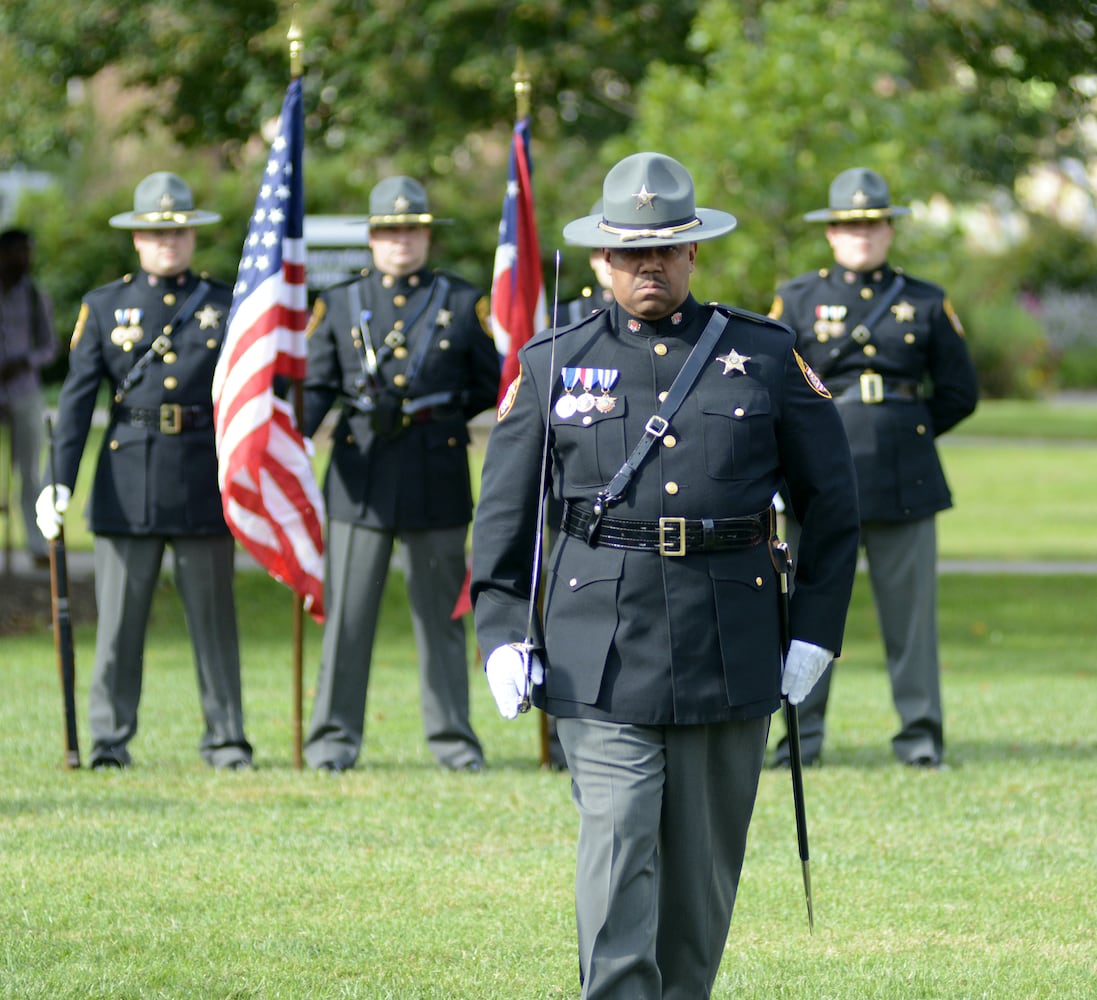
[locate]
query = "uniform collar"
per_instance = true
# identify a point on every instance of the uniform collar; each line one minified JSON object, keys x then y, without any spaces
{"x":164,"y":284}
{"x":407,"y":283}
{"x":875,"y":279}
{"x":674,"y":325}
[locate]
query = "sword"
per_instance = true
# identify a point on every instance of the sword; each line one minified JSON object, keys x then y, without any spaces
{"x":525,"y":647}
{"x":792,"y":724}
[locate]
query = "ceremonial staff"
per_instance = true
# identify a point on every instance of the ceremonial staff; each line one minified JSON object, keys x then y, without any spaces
{"x":792,"y":723}
{"x":62,"y":623}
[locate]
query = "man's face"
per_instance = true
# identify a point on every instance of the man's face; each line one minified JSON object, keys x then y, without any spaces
{"x":861,"y":245}
{"x":651,"y":282}
{"x":400,"y":250}
{"x":165,"y":252}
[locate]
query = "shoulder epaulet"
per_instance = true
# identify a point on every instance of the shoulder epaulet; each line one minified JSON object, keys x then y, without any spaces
{"x":455,"y":279}
{"x":548,"y":332}
{"x":751,"y":317}
{"x":216,"y":282}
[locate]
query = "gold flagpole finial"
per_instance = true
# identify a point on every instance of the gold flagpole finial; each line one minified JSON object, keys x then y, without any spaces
{"x":296,"y":52}
{"x":522,"y":88}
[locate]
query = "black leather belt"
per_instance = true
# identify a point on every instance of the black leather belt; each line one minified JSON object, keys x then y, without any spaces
{"x":167,"y":418}
{"x":671,"y":536}
{"x":872,"y":387}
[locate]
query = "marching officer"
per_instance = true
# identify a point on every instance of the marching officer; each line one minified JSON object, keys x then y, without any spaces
{"x":891,"y":350}
{"x":668,"y":426}
{"x":154,"y":337}
{"x":407,"y":354}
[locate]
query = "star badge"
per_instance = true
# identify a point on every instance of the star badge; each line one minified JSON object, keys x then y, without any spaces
{"x":208,"y":317}
{"x":733,"y":361}
{"x":644,"y":197}
{"x":445,"y":317}
{"x":400,"y":205}
{"x":904,"y":312}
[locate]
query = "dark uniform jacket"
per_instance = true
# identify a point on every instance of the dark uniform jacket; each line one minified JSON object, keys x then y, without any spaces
{"x":399,"y":452}
{"x":919,"y":380}
{"x":636,"y":636}
{"x":157,"y":469}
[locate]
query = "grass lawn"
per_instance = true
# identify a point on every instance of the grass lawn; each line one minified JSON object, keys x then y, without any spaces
{"x":401,"y":880}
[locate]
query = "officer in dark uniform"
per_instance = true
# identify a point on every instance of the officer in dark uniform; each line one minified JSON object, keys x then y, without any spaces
{"x":891,"y":350}
{"x":408,"y":354}
{"x":155,"y":337}
{"x":659,"y":651}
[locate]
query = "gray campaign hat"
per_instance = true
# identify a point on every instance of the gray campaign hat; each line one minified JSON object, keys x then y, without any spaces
{"x":648,"y":201}
{"x":163,"y":201}
{"x":855,"y":195}
{"x":400,"y":201}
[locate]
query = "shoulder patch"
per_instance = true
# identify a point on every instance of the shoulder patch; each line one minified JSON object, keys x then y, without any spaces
{"x":812,"y":379}
{"x":483,"y":313}
{"x":78,"y":330}
{"x":319,"y":310}
{"x":953,"y":318}
{"x":510,"y":395}
{"x":777,"y":308}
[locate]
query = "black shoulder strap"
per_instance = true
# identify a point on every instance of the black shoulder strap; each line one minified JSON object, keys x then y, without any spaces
{"x":860,"y":334}
{"x":659,"y":423}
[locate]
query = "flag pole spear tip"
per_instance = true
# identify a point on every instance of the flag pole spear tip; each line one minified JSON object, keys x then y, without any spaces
{"x":296,"y":51}
{"x":520,"y":76}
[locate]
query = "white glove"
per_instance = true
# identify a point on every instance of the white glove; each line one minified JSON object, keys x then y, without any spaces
{"x":804,"y":665}
{"x":49,"y":513}
{"x":508,"y":680}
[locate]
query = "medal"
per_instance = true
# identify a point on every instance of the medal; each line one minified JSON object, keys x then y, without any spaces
{"x":128,"y":329}
{"x":565,"y":405}
{"x":606,"y":378}
{"x":585,"y":402}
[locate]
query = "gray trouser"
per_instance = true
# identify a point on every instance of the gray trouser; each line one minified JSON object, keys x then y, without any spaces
{"x":126,"y":572}
{"x":663,"y":818}
{"x":357,"y":564}
{"x":26,"y":419}
{"x":902,"y":562}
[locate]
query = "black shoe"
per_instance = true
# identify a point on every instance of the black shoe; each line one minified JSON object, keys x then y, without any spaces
{"x":240,"y":764}
{"x":926,"y":762}
{"x":471,"y":766}
{"x":333,"y":766}
{"x":107,"y":763}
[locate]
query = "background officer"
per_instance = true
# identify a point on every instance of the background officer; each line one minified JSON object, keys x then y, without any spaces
{"x":154,"y":336}
{"x":408,"y":354}
{"x":891,"y":350}
{"x":27,"y":345}
{"x":660,"y":650}
{"x":590,"y":298}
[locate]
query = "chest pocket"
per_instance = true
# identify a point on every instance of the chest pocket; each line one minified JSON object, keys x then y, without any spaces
{"x":738,"y":432}
{"x":589,"y":446}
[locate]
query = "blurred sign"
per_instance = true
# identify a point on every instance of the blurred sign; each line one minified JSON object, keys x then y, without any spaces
{"x":336,"y":247}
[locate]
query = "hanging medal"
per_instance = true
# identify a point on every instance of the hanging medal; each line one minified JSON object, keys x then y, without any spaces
{"x":565,"y":405}
{"x":128,"y":329}
{"x":585,"y":402}
{"x":606,"y":378}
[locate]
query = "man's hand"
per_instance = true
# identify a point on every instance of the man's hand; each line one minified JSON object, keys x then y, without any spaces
{"x":49,"y":510}
{"x":508,"y":680}
{"x":804,"y":665}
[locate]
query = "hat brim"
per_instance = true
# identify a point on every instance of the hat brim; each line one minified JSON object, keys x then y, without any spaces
{"x":589,"y":232}
{"x":164,"y":220}
{"x":856,"y":214}
{"x":425,"y":220}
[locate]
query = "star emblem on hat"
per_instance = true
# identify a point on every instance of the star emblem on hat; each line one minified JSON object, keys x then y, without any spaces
{"x":208,"y":317}
{"x":644,"y":197}
{"x":859,"y":199}
{"x":904,"y":312}
{"x":400,"y":204}
{"x":167,"y":202}
{"x":733,"y":361}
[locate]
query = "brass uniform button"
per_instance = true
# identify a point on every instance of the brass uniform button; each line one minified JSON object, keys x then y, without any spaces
{"x":170,"y":358}
{"x":870,"y":351}
{"x":739,"y":411}
{"x":387,"y":281}
{"x":660,"y":349}
{"x":662,"y":396}
{"x":400,"y":352}
{"x":669,"y":440}
{"x":169,"y":299}
{"x":443,"y":345}
{"x":758,"y":581}
{"x":398,"y":325}
{"x":671,"y":488}
{"x":399,"y":301}
{"x":867,"y":293}
{"x":114,"y":445}
{"x":171,"y":382}
{"x":400,"y":379}
{"x":908,"y":338}
{"x":211,"y":344}
{"x":921,"y":428}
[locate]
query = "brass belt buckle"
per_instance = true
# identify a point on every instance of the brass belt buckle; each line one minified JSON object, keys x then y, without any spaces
{"x":872,"y":387}
{"x":672,"y":536}
{"x":171,"y":418}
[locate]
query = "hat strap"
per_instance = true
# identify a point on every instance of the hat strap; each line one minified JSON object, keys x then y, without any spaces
{"x":640,"y":234}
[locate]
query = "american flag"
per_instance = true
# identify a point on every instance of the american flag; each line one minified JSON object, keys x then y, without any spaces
{"x":517,"y":289}
{"x":268,"y":491}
